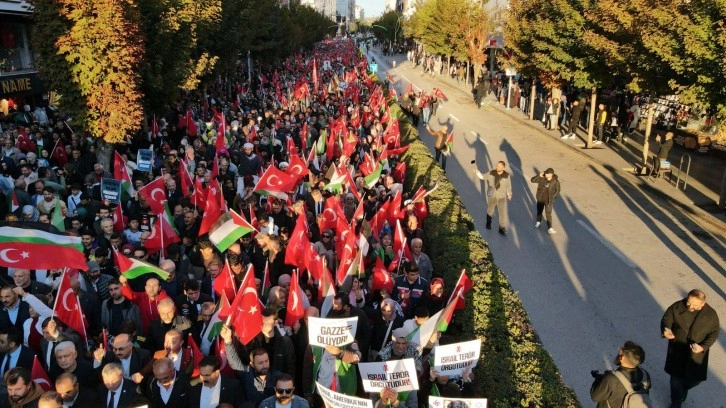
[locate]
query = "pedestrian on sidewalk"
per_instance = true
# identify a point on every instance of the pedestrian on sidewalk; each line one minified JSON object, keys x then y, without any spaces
{"x":440,"y":144}
{"x":575,"y":112}
{"x":609,"y":388}
{"x":600,"y":121}
{"x":555,"y":114}
{"x":664,"y":149}
{"x":479,"y":93}
{"x":499,"y":191}
{"x":548,"y":188}
{"x":691,"y":327}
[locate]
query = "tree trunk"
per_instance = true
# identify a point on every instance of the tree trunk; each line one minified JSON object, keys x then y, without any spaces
{"x":467,"y":72}
{"x":104,"y":151}
{"x":591,"y":121}
{"x":646,"y":141}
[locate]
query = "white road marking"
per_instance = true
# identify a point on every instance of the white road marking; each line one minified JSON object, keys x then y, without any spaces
{"x":414,"y":85}
{"x":454,"y":117}
{"x":608,"y":245}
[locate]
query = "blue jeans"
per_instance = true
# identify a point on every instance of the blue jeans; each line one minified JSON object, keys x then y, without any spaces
{"x":426,"y":115}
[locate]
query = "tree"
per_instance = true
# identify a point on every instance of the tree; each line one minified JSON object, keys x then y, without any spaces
{"x":387,"y":27}
{"x":101,"y":48}
{"x":476,"y":33}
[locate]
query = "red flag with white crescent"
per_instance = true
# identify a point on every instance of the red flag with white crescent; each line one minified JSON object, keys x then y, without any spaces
{"x":67,"y":307}
{"x":155,"y":195}
{"x":295,"y":307}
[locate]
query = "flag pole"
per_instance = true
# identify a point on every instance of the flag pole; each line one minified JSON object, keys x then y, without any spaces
{"x":161,"y":231}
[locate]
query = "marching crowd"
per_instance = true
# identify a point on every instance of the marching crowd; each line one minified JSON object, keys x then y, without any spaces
{"x":304,"y":162}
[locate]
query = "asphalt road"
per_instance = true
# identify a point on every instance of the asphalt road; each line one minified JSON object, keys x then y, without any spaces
{"x":619,"y":257}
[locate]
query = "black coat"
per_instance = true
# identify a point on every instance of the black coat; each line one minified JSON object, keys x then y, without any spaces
{"x":188,"y":308}
{"x":704,"y":330}
{"x":88,"y":398}
{"x":23,"y":315}
{"x":128,"y":398}
{"x":25,"y":359}
{"x":180,"y":394}
{"x":139,"y":359}
{"x":546,"y":191}
{"x":230,"y":393}
{"x":665,"y":149}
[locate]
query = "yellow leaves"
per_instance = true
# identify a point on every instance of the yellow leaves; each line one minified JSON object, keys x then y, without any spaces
{"x":203,"y":66}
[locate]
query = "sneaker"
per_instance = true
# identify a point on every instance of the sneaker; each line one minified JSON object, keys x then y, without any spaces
{"x":551,"y":231}
{"x":537,"y":224}
{"x":598,"y":142}
{"x":572,"y":136}
{"x":502,"y":230}
{"x":625,"y":139}
{"x":565,"y":137}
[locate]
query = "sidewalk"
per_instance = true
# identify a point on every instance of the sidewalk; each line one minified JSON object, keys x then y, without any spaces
{"x":700,"y":197}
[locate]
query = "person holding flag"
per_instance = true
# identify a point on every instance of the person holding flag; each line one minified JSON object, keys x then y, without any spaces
{"x":440,"y":144}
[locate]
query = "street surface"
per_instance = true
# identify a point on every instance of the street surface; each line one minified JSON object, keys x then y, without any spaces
{"x":619,"y":258}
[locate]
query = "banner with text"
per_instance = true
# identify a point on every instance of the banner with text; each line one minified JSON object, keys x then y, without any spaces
{"x":441,"y":402}
{"x":331,"y":332}
{"x":111,"y":190}
{"x":399,"y":375}
{"x":453,"y":359}
{"x":144,"y":160}
{"x":334,"y":399}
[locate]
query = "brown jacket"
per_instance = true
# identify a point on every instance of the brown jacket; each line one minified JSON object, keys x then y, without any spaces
{"x":33,"y":395}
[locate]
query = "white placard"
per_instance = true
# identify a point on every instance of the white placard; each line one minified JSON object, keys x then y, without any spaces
{"x":334,"y":399}
{"x":400,"y":375}
{"x":453,"y":359}
{"x":331,"y":332}
{"x":441,"y":402}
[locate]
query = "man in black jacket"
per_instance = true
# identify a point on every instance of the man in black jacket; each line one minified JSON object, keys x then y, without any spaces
{"x":75,"y":396}
{"x":205,"y":393}
{"x":11,"y":302}
{"x":691,"y":327}
{"x":608,"y":390}
{"x":131,"y":359}
{"x":12,"y":351}
{"x":548,"y":188}
{"x":169,"y":388}
{"x":117,"y":392}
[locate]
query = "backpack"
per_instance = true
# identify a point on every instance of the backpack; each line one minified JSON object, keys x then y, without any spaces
{"x":633,"y":398}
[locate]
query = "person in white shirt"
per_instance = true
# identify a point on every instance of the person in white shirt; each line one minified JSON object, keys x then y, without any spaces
{"x":170,"y":388}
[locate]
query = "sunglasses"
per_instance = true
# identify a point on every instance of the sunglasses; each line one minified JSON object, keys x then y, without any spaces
{"x":284,"y":390}
{"x":326,"y":236}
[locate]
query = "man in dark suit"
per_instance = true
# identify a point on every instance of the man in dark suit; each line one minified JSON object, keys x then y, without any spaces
{"x":132,"y":360}
{"x":215,"y":389}
{"x":15,"y":311}
{"x":173,"y":195}
{"x":53,"y":335}
{"x":12,"y":351}
{"x":117,"y":392}
{"x":75,"y":396}
{"x":169,"y":388}
{"x":201,"y":329}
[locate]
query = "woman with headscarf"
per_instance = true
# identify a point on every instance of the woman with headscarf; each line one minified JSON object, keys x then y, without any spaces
{"x":30,"y":213}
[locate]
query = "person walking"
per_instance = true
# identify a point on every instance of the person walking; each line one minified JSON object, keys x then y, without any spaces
{"x":609,"y":388}
{"x":600,"y":119}
{"x":440,"y":144}
{"x":691,"y":327}
{"x":499,"y":191}
{"x":548,"y":188}
{"x":664,"y":149}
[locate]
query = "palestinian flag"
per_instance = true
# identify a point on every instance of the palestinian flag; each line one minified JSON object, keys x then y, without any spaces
{"x":227,"y":229}
{"x":133,"y":268}
{"x":26,"y":245}
{"x":13,"y":203}
{"x":120,"y":172}
{"x":216,"y":320}
{"x":336,"y":184}
{"x":450,"y":141}
{"x":58,"y":220}
{"x":322,"y":141}
{"x":372,"y":178}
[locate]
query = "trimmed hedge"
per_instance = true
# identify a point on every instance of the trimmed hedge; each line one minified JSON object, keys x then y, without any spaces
{"x":514,"y":370}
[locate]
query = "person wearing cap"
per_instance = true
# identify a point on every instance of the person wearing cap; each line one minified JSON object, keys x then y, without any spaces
{"x":96,"y":282}
{"x":548,"y":188}
{"x":250,"y":163}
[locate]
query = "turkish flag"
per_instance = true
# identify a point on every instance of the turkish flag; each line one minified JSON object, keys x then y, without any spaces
{"x":400,"y":247}
{"x":331,"y":213}
{"x":162,"y":235}
{"x":59,"y":153}
{"x":211,"y":213}
{"x":276,"y":182}
{"x":199,"y":196}
{"x":381,"y":277}
{"x":398,"y":151}
{"x":225,"y":308}
{"x":463,"y":285}
{"x":439,"y":94}
{"x":247,"y":310}
{"x":253,"y":219}
{"x":39,"y":376}
{"x":347,"y":256}
{"x":399,"y":173}
{"x":368,"y":166}
{"x":395,"y":212}
{"x":295,"y":307}
{"x":298,"y":244}
{"x":409,"y":89}
{"x":386,"y":116}
{"x":297,"y":167}
{"x":224,"y":367}
{"x":313,"y":263}
{"x":155,"y":195}
{"x":67,"y":307}
{"x":392,"y":135}
{"x":378,"y":221}
{"x":119,"y":222}
{"x":224,"y":282}
{"x":197,"y":355}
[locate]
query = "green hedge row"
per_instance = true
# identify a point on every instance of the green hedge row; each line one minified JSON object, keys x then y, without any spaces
{"x":515,"y":370}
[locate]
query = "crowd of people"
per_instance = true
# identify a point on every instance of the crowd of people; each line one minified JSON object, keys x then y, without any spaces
{"x":152,"y":339}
